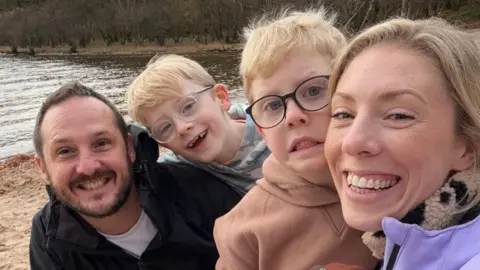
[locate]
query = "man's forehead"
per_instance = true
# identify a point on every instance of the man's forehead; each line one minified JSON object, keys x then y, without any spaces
{"x":78,"y":115}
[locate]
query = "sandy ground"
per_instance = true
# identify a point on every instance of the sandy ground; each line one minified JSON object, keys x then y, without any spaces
{"x":22,"y":193}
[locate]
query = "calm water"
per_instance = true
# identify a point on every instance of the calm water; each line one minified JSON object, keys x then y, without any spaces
{"x":26,"y":81}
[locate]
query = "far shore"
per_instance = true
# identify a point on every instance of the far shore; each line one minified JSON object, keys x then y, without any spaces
{"x":100,"y":48}
{"x":129,"y":49}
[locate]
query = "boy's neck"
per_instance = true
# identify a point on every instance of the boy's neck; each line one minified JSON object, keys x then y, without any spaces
{"x":232,"y":143}
{"x":323,"y":174}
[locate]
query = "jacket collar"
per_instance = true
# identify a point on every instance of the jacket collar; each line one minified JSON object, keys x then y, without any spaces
{"x":65,"y":224}
{"x":440,"y":211}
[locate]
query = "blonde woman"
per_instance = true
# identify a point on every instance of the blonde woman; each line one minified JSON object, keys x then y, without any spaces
{"x":403,"y":142}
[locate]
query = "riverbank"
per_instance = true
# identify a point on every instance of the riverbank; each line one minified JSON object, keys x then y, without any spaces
{"x":22,"y":194}
{"x":129,"y":49}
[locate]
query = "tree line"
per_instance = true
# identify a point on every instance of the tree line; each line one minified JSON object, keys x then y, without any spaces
{"x":77,"y":23}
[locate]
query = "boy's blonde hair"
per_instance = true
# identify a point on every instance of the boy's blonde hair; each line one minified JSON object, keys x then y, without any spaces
{"x":457,"y":55}
{"x":162,"y":80}
{"x":270,"y":40}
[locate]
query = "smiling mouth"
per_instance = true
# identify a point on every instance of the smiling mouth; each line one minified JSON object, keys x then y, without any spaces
{"x":197,"y":140}
{"x":94,"y":184}
{"x":367,"y":184}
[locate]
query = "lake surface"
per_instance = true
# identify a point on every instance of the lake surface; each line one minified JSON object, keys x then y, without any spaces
{"x":26,"y":81}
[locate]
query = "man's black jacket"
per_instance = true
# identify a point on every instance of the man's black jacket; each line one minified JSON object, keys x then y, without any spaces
{"x":183,"y":203}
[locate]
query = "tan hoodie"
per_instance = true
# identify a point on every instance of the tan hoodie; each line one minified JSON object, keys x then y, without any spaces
{"x":287,"y":222}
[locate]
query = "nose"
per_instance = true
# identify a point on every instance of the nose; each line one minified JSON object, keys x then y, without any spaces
{"x":182,"y":126}
{"x":87,"y":164}
{"x":294,"y":115}
{"x":362,"y":139}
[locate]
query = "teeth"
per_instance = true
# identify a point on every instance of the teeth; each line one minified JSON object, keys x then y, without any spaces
{"x":201,"y":135}
{"x":371,"y":183}
{"x":358,"y":183}
{"x":362,"y":183}
{"x":92,"y":185}
{"x":355,"y":180}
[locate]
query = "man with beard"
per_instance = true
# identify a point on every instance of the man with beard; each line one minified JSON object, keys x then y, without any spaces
{"x":111,"y":205}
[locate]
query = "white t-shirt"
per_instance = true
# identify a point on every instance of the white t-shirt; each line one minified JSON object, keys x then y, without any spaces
{"x":136,"y":240}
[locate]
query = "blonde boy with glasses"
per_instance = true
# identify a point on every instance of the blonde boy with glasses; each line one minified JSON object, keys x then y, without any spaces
{"x":186,"y":111}
{"x":292,"y":218}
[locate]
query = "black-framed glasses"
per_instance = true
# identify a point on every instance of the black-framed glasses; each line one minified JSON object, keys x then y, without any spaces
{"x":310,"y":95}
{"x":164,"y":130}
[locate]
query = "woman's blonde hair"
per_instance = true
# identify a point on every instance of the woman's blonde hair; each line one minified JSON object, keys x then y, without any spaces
{"x":457,"y":56}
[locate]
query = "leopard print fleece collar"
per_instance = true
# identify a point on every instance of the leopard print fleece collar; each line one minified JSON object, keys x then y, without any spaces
{"x":437,"y":212}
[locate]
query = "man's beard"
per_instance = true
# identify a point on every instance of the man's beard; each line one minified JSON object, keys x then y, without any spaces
{"x":121,"y":197}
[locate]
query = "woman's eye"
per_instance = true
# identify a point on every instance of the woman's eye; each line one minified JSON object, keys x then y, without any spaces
{"x":342,"y":115}
{"x":400,"y":116}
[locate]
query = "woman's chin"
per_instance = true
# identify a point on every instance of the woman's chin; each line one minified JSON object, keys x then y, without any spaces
{"x":366,"y":222}
{"x":370,"y":225}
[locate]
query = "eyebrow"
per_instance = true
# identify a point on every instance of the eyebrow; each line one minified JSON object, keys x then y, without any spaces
{"x":60,"y":141}
{"x":385,"y":96}
{"x":101,"y":133}
{"x":66,"y":140}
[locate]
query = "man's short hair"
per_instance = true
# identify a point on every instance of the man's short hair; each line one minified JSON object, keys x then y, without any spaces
{"x":64,"y":93}
{"x":162,"y":80}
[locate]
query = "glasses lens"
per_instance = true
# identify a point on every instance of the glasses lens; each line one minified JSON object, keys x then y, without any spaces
{"x":312,"y":94}
{"x":268,"y":111}
{"x":163,"y":130}
{"x":189,"y":108}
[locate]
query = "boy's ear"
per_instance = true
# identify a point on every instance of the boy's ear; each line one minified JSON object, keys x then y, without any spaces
{"x":41,"y":167}
{"x":221,"y":92}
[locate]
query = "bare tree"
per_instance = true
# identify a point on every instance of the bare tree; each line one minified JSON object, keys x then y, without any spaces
{"x":76,"y":23}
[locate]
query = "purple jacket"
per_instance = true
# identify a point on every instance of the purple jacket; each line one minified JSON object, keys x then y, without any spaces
{"x":409,"y":247}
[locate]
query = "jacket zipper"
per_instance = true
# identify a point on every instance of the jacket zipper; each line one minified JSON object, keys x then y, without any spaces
{"x":393,"y":257}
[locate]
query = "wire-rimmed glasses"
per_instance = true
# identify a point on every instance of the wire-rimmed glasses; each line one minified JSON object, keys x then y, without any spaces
{"x":164,"y":130}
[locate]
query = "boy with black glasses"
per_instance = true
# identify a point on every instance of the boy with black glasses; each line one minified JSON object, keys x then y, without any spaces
{"x":292,"y":218}
{"x":186,"y":111}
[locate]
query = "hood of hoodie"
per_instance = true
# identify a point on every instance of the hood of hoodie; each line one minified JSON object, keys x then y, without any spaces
{"x":289,"y":186}
{"x":146,"y":148}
